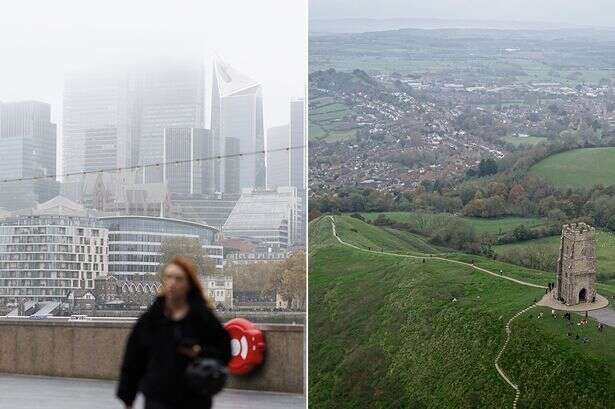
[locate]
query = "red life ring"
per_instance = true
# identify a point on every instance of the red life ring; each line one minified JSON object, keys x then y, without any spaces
{"x":247,"y":346}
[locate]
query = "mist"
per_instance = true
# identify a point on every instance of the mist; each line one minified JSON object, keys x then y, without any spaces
{"x":547,"y":12}
{"x":41,"y":40}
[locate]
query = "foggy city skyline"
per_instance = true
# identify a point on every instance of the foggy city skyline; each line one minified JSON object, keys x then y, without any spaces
{"x":42,"y":42}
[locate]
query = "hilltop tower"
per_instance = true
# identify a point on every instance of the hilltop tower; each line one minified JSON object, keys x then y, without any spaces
{"x":576,"y":266}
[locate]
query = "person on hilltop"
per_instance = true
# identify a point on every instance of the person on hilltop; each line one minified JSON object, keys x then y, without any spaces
{"x":176,"y":334}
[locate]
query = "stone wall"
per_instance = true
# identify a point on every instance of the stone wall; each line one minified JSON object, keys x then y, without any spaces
{"x":93,"y":349}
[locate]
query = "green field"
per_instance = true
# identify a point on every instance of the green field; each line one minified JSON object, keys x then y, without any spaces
{"x":605,"y":250}
{"x":529,"y":140}
{"x":494,"y":227}
{"x":330,"y":120}
{"x":385,"y":333}
{"x":573,"y":169}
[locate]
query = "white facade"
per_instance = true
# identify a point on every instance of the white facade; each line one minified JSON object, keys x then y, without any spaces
{"x":219,"y":289}
{"x":46,"y":257}
{"x":135,"y":243}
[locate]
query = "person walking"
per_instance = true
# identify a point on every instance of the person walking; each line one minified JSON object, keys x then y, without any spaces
{"x":176,"y":330}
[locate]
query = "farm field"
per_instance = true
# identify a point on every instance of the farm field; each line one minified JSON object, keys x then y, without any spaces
{"x":330,"y":120}
{"x":528,"y":140}
{"x":573,"y":169}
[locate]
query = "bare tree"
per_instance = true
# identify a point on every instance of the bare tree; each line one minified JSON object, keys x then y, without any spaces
{"x":190,"y":248}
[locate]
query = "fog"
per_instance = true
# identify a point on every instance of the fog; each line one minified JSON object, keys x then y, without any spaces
{"x":40,"y":40}
{"x":583,"y":13}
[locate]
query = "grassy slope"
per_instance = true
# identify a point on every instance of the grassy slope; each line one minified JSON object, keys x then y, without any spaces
{"x":385,"y":334}
{"x":488,"y":226}
{"x":605,"y":248}
{"x":572,"y":169}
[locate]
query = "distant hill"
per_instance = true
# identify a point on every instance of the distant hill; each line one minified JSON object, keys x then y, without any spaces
{"x":478,"y":55}
{"x":386,"y":333}
{"x":362,"y":25}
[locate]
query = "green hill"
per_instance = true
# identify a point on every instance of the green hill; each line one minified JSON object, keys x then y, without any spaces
{"x":385,"y":332}
{"x":573,"y":169}
{"x":494,"y":226}
{"x":605,"y":251}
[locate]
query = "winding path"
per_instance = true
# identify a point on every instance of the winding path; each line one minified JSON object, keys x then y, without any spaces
{"x":514,"y":280}
{"x":431,"y":257}
{"x":497,"y":358}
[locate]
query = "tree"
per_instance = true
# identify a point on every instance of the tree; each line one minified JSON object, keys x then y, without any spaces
{"x":187,"y":247}
{"x":487,"y":167}
{"x":289,"y":280}
{"x":516,"y":194}
{"x":255,"y":277}
{"x":521,"y":233}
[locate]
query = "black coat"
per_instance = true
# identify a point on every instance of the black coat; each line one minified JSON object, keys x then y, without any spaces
{"x":152,"y":363}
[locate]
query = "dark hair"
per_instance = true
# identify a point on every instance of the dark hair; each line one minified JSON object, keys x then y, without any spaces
{"x":189,"y":268}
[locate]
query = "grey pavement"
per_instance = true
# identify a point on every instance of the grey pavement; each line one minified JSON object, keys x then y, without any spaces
{"x":604,"y":315}
{"x":34,"y":392}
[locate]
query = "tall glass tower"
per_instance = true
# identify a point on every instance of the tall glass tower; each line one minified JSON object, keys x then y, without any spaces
{"x":237,"y":113}
{"x":28,"y":147}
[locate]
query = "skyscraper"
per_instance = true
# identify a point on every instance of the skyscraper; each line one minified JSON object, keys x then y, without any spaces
{"x":237,"y":112}
{"x":28,"y":147}
{"x":101,"y":149}
{"x":298,"y":144}
{"x":168,"y":94}
{"x":187,"y":145}
{"x":95,"y":120}
{"x":116,"y":117}
{"x":298,"y":162}
{"x":278,"y":156}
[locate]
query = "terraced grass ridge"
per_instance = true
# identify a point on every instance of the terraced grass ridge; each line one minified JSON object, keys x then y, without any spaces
{"x":494,"y":226}
{"x":397,"y":332}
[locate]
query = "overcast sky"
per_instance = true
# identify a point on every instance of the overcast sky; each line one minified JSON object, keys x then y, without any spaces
{"x":41,"y":39}
{"x":581,"y":12}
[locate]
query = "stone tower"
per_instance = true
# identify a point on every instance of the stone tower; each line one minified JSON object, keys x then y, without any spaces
{"x":576,"y":266}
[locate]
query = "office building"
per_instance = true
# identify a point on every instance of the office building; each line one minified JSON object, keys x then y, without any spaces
{"x":298,"y":164}
{"x":169,"y":94}
{"x":278,"y":156}
{"x":49,"y":251}
{"x":298,"y":144}
{"x":28,"y":147}
{"x":267,"y":218}
{"x":184,"y":172}
{"x":237,"y":112}
{"x":117,"y":116}
{"x":209,"y":209}
{"x":96,"y":121}
{"x":135,"y":243}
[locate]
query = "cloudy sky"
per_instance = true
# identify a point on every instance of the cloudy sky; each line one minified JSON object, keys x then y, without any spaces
{"x":581,"y":12}
{"x":41,"y":39}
